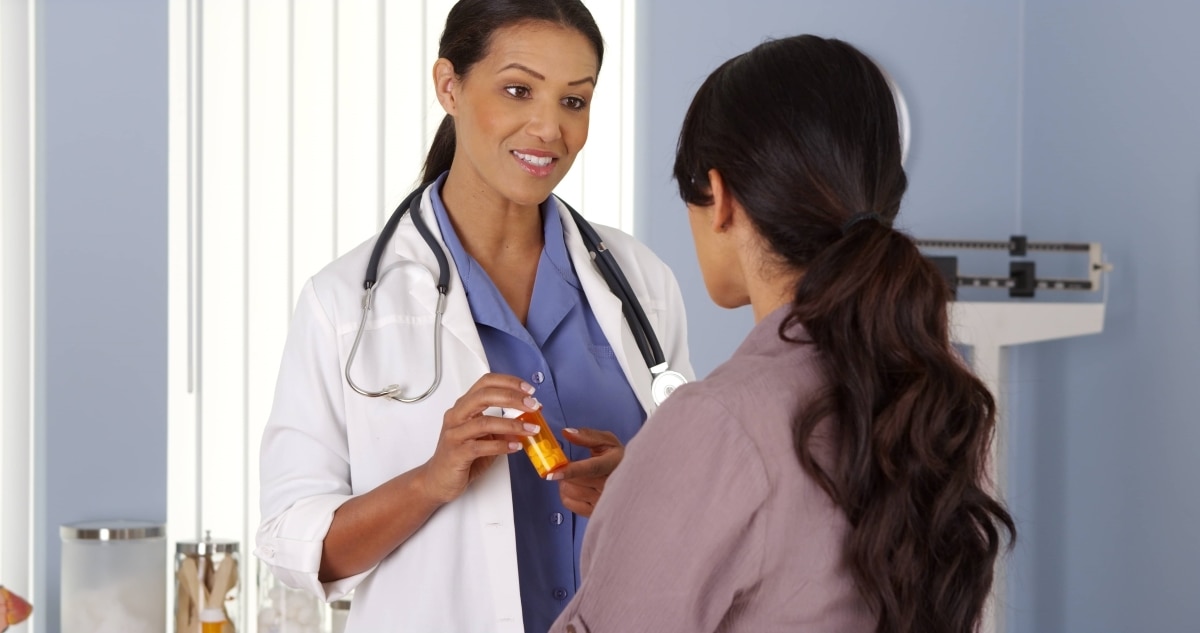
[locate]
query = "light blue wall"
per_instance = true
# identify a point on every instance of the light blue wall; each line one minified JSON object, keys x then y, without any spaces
{"x":957,"y":62}
{"x":1107,"y":469}
{"x":103,"y":318}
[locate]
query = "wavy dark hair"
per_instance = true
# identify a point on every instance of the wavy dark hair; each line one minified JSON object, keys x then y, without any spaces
{"x":804,"y":133}
{"x":470,"y":26}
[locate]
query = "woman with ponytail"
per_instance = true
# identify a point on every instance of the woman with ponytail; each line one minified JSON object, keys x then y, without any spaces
{"x":831,"y":476}
{"x":429,"y":509}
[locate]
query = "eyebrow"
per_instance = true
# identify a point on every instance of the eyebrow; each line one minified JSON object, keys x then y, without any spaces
{"x":585,"y":80}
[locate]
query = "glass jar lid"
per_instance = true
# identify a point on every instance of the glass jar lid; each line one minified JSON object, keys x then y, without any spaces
{"x":111,"y":531}
{"x":206,"y":547}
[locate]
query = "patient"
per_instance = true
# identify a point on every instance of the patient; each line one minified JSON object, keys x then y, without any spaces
{"x":830,"y":476}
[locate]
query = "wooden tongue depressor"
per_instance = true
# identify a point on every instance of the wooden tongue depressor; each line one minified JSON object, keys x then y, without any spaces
{"x":189,"y":581}
{"x":222,"y":583}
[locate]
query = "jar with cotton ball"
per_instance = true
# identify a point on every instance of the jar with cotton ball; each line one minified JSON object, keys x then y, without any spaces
{"x":282,"y":609}
{"x":206,"y":585}
{"x":113,"y":577}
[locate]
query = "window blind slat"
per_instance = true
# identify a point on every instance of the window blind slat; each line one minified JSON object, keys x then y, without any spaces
{"x":222,"y":278}
{"x":405,"y":93}
{"x":269,"y":303}
{"x":314,"y":160}
{"x":358,"y":121}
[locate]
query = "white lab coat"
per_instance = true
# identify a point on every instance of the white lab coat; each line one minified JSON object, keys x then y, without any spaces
{"x":324,"y":443}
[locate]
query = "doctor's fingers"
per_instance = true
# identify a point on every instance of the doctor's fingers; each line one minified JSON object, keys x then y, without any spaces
{"x":472,"y":450}
{"x":486,"y":426}
{"x":597,"y":467}
{"x":579,"y":498}
{"x":475,"y":402}
{"x":503,"y":382}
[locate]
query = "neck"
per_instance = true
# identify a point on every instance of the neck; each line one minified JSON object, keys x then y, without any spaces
{"x":490,"y":226}
{"x":770,"y":289}
{"x":770,"y":300}
{"x":770,"y":284}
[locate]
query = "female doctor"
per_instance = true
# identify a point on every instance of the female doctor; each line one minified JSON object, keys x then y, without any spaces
{"x":429,"y":510}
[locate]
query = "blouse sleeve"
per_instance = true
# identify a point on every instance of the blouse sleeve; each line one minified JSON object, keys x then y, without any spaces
{"x":676,"y":540}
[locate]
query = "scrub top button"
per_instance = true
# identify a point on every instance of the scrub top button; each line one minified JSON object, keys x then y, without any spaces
{"x":538,"y":377}
{"x":556,"y":518}
{"x":560,"y":594}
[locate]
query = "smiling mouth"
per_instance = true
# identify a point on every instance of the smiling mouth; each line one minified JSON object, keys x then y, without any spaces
{"x":535,"y":161}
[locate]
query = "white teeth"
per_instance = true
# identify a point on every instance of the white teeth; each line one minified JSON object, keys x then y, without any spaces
{"x":540,"y":161}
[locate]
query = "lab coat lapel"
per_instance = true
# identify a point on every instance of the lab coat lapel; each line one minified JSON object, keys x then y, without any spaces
{"x":491,"y":494}
{"x":607,"y":309}
{"x":457,"y":320}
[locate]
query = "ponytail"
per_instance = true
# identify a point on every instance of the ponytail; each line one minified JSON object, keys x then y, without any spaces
{"x":441,"y":151}
{"x":814,"y":160}
{"x":915,"y":429}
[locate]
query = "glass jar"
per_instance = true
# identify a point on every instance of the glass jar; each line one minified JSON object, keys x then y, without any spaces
{"x":113,"y":577}
{"x":339,"y":611}
{"x":206,"y":578}
{"x":282,"y":609}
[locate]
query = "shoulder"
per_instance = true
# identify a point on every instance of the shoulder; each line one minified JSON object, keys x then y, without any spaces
{"x":759,"y":389}
{"x":696,"y":431}
{"x":349,"y":268}
{"x":336,"y":289}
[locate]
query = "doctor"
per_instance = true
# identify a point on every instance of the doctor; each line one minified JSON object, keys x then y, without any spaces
{"x":430,"y":511}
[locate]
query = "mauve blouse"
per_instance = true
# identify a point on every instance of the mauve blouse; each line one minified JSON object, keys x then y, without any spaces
{"x":710,"y":523}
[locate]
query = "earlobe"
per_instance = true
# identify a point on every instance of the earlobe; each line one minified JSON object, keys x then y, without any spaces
{"x":722,"y":202}
{"x":444,"y":80}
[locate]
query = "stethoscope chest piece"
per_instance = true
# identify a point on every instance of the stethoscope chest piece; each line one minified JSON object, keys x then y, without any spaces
{"x":664,"y":384}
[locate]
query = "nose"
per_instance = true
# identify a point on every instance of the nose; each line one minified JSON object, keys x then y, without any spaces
{"x":546,"y":122}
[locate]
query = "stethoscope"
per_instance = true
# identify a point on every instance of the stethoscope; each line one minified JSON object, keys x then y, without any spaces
{"x":664,"y":380}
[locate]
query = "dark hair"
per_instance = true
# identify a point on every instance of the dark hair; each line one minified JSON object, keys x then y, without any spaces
{"x":804,"y":133}
{"x":468,"y":33}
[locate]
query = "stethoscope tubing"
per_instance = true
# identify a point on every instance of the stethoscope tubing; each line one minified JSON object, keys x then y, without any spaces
{"x":614,"y":277}
{"x":648,"y":343}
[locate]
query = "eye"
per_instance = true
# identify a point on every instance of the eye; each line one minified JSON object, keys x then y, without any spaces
{"x":575,"y":103}
{"x":518,"y":91}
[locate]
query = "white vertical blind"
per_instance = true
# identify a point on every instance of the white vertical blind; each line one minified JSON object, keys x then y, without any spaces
{"x":296,"y":126}
{"x":17,"y":249}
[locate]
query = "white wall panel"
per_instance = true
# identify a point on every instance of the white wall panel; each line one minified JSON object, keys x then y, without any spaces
{"x":222,"y":268}
{"x":435,"y":20}
{"x":313,"y":144}
{"x":406,"y":90}
{"x":17,"y":251}
{"x":359,"y":139}
{"x":183,"y":511}
{"x":601,"y":177}
{"x":269,"y":299}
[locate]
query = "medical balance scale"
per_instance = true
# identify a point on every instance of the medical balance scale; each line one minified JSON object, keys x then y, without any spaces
{"x":992,"y":328}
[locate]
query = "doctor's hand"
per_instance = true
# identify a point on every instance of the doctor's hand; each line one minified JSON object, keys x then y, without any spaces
{"x":470,"y":441}
{"x":581,"y":482}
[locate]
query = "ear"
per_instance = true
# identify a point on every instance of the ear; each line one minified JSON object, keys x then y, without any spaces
{"x":723,"y":204}
{"x":445,"y":84}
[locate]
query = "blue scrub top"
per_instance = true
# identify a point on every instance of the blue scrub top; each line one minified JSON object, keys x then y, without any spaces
{"x":563,"y":353}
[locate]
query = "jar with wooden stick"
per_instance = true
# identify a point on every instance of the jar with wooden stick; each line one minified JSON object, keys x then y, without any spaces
{"x":206,"y":579}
